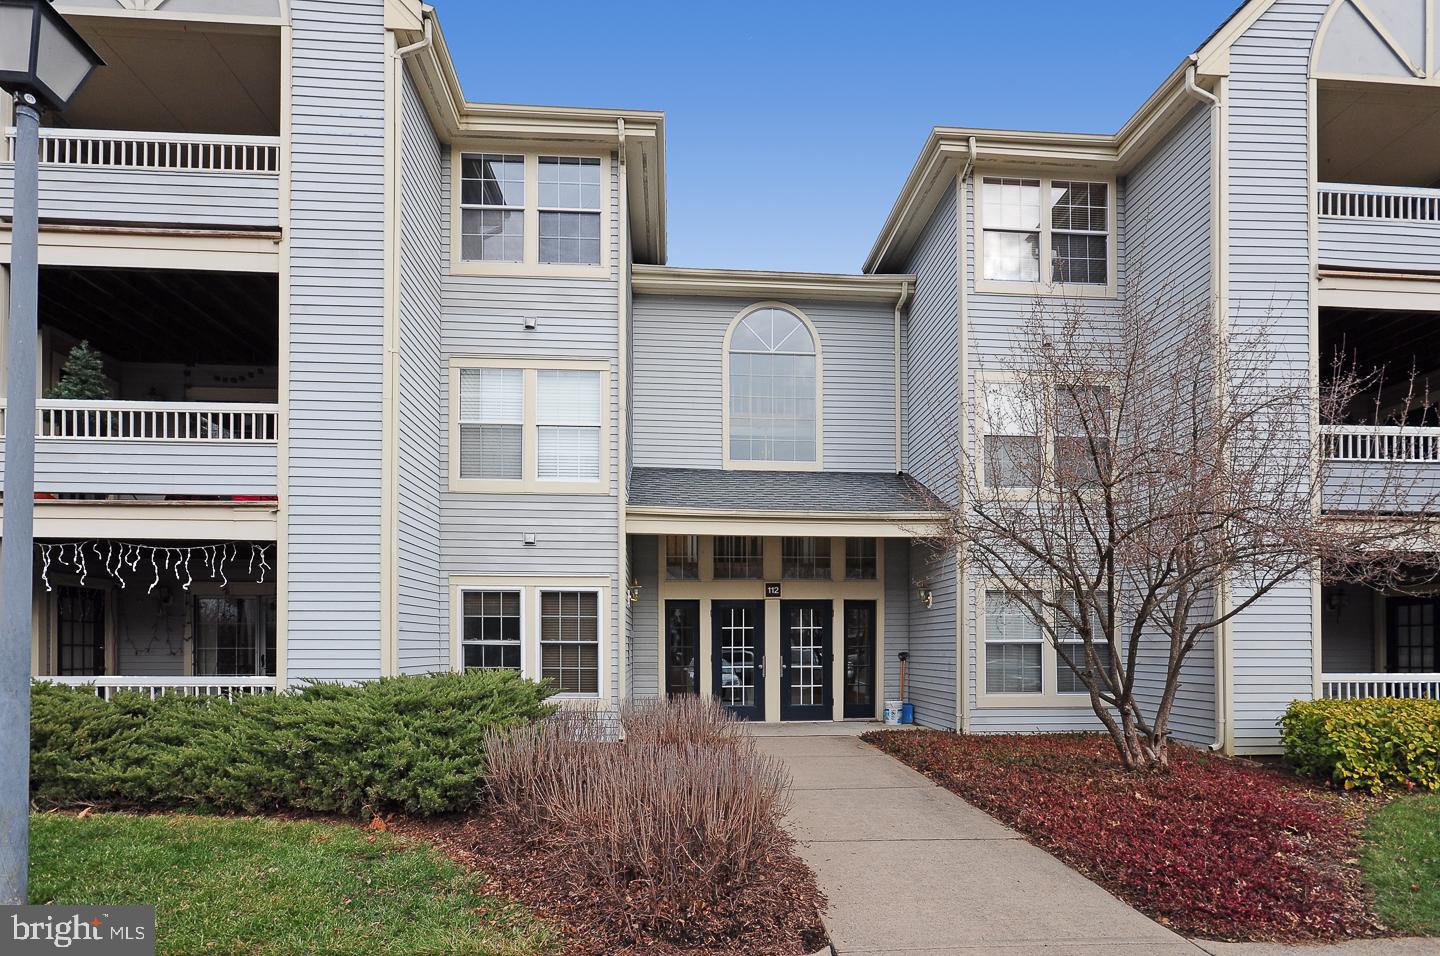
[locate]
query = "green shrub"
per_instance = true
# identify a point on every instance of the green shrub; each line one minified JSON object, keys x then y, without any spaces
{"x":1365,"y":744}
{"x":412,"y":744}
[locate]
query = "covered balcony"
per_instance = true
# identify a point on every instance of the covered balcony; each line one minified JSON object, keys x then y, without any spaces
{"x":1378,"y":155}
{"x":182,"y":406}
{"x":157,"y":617}
{"x":1387,"y":443}
{"x":1379,"y":643}
{"x":179,"y":128}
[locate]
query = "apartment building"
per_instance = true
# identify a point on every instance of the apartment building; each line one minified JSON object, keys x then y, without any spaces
{"x":401,"y":382}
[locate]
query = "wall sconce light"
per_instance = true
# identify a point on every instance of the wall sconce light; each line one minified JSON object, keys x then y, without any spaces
{"x":633,"y":592}
{"x":924,"y":594}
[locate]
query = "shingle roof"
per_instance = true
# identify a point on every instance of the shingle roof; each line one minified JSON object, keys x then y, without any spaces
{"x":770,"y":491}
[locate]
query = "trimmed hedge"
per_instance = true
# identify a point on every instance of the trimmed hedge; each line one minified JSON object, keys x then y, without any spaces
{"x":1365,"y":744}
{"x":412,"y":744}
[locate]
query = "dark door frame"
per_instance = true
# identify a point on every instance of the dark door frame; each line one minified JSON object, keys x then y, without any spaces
{"x":825,"y":621}
{"x":869,"y":710}
{"x":97,"y":602}
{"x":757,"y":649}
{"x":693,"y":605}
{"x":1392,"y":637}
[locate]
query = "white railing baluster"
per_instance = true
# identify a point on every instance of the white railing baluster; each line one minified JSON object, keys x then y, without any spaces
{"x":156,"y":421}
{"x":153,"y":687}
{"x":1394,"y":203}
{"x":1365,"y":686}
{"x":1396,"y":443}
{"x":164,"y":151}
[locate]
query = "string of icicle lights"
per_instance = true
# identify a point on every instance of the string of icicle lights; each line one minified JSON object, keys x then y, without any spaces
{"x":115,"y":557}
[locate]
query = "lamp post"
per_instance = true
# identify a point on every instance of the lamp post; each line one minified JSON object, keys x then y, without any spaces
{"x":43,"y":61}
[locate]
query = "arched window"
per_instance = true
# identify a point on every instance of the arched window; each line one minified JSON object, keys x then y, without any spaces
{"x":774,"y":388}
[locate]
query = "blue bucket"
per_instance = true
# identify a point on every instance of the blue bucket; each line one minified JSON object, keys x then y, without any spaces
{"x":907,"y":713}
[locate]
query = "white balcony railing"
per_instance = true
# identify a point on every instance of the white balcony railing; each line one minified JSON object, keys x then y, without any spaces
{"x":1397,"y":203}
{"x":154,"y":421}
{"x":176,"y":152}
{"x":1392,"y":443}
{"x":1361,"y":686}
{"x":152,"y":687}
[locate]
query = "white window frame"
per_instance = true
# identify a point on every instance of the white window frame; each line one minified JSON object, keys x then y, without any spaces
{"x":735,"y":464}
{"x":460,"y":616}
{"x":530,"y":264}
{"x":601,"y":661}
{"x":1046,"y":286}
{"x":530,"y":588}
{"x":529,"y":481}
{"x":1044,"y":431}
{"x":1049,"y":695}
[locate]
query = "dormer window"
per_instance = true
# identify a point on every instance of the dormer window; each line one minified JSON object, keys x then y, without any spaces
{"x":1038,"y":233}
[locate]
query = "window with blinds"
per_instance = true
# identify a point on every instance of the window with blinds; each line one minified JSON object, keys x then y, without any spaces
{"x":1067,"y":681}
{"x":567,"y":423}
{"x":1013,"y":450}
{"x":570,"y":641}
{"x":1014,"y":641}
{"x":492,"y":422}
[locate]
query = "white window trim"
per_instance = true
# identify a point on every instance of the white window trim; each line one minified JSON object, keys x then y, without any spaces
{"x":1049,"y":695}
{"x":1045,"y":287}
{"x":530,"y":588}
{"x":529,"y":482}
{"x":530,"y":263}
{"x":732,"y":464}
{"x":460,"y":642}
{"x":602,"y":660}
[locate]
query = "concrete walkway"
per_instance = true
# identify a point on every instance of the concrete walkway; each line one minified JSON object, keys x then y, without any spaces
{"x":909,"y":867}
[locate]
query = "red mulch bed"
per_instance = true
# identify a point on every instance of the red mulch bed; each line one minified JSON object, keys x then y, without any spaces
{"x":1214,"y":847}
{"x":778,"y":916}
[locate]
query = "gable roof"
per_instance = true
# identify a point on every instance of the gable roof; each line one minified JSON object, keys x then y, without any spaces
{"x":948,"y":148}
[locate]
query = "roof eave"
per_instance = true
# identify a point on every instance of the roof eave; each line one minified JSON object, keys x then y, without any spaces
{"x":669,"y":280}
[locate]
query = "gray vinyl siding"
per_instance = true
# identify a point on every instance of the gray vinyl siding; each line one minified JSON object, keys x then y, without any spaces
{"x":152,"y":197}
{"x":1354,"y":485}
{"x":153,"y":468}
{"x":337,"y":307}
{"x":423,"y":637}
{"x":1168,"y":204}
{"x":896,"y":611}
{"x":1379,"y":244}
{"x":931,"y":432}
{"x":577,"y":535}
{"x":932,"y":400}
{"x":931,"y":677}
{"x":1270,"y":275}
{"x":645,"y":618}
{"x":678,"y":389}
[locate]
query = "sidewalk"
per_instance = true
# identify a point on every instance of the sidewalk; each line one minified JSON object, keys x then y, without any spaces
{"x":911,"y":868}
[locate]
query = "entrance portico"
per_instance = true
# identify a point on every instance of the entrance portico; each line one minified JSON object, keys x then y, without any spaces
{"x":781,"y":615}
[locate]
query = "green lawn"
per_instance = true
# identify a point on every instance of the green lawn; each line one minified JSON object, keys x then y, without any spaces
{"x":245,"y":885}
{"x":1401,"y":860}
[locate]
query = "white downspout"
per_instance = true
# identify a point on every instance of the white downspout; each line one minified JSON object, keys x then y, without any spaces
{"x":962,"y":351}
{"x":899,"y":432}
{"x":1222,"y":636}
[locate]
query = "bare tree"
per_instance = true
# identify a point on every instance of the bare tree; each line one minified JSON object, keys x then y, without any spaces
{"x":1138,"y":478}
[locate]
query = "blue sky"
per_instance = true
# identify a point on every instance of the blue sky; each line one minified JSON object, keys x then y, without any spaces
{"x":791,"y":126}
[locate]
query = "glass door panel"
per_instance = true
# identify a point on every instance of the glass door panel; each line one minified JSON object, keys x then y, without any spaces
{"x":860,"y":693}
{"x":682,"y":648}
{"x":737,"y":636}
{"x":805,"y":660}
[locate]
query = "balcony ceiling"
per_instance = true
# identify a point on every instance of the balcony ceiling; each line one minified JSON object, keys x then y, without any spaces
{"x":149,"y":79}
{"x":170,"y":316}
{"x":1379,"y":135}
